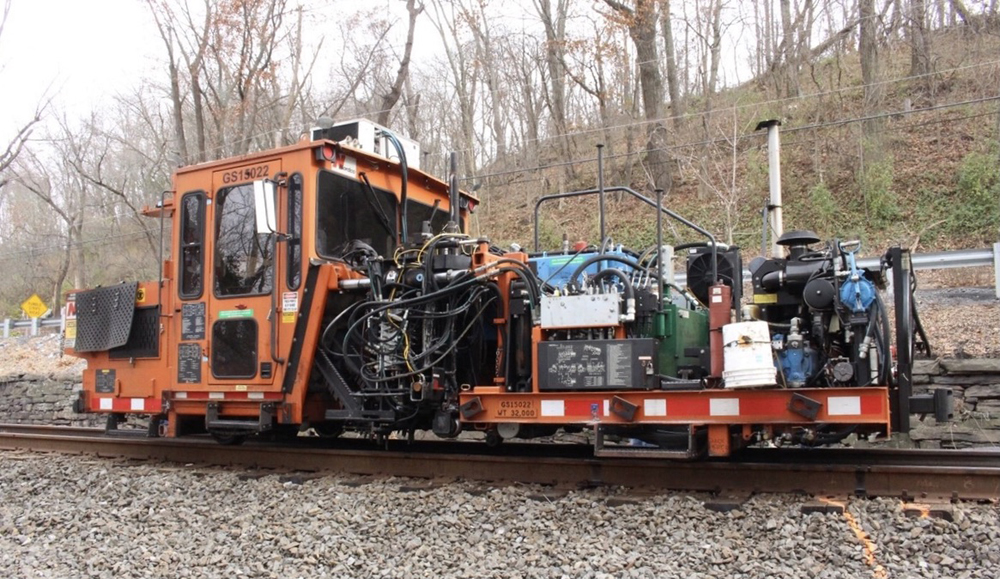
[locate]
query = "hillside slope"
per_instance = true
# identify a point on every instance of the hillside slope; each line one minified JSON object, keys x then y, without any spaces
{"x":929,"y":179}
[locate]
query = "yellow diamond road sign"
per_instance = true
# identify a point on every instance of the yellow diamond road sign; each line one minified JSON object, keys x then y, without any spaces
{"x":34,"y":306}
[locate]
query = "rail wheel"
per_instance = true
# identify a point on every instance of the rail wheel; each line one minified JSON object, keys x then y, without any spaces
{"x":493,"y":438}
{"x":228,"y":438}
{"x":328,"y":429}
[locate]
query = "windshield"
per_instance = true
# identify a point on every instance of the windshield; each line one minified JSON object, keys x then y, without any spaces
{"x":348,"y":210}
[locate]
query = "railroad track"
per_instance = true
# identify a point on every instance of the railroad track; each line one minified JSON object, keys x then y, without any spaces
{"x":908,"y":474}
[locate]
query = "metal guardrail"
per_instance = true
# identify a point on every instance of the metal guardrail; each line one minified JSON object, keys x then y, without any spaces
{"x":34,"y":325}
{"x":947,"y":259}
{"x":933,"y":260}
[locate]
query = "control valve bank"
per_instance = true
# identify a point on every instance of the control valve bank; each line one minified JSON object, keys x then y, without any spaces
{"x":334,"y":286}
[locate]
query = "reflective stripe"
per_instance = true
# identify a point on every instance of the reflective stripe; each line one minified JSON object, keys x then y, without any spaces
{"x":607,"y":408}
{"x":136,"y":405}
{"x":553,"y":408}
{"x":653,"y":407}
{"x":724,"y":407}
{"x":843,"y":405}
{"x":194,"y":395}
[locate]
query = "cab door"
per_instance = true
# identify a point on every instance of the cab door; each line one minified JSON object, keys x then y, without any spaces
{"x":242,"y":340}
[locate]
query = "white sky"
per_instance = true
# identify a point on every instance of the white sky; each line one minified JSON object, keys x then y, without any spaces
{"x":77,"y":52}
{"x":81,"y":52}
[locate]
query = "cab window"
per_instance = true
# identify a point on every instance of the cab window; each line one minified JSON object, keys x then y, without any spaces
{"x":417,"y":213}
{"x":192,"y":237}
{"x":244,"y":263}
{"x":294,"y":245}
{"x":347,"y":211}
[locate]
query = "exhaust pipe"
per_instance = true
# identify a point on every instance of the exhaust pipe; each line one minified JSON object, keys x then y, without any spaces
{"x":774,"y":181}
{"x":453,"y":201}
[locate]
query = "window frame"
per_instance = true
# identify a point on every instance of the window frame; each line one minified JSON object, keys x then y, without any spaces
{"x":219,"y":204}
{"x":293,"y":271}
{"x":199,"y":243}
{"x":255,"y":342}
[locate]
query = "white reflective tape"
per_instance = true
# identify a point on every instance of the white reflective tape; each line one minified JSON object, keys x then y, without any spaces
{"x":138,"y":404}
{"x":607,"y":408}
{"x":105,"y":404}
{"x":654,"y":407}
{"x":843,"y":405}
{"x":181,"y":395}
{"x":724,"y":407}
{"x":216,"y":395}
{"x":553,"y":408}
{"x":255,"y":395}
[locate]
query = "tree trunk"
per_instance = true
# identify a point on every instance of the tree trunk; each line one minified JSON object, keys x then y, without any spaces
{"x":673,"y":87}
{"x":530,"y":111}
{"x":714,"y":49}
{"x":959,"y":8}
{"x":641,"y":22}
{"x":555,"y":37}
{"x":465,"y":82}
{"x":61,"y":278}
{"x":789,"y":62}
{"x":920,"y":40}
{"x":177,"y":110}
{"x":79,"y":255}
{"x":868,"y":52}
{"x":485,"y":52}
{"x":389,"y":100}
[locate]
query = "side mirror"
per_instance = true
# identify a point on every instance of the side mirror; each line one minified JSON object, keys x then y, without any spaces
{"x":264,"y":205}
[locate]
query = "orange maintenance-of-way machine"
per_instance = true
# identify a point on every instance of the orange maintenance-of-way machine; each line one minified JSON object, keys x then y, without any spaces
{"x":331,"y":285}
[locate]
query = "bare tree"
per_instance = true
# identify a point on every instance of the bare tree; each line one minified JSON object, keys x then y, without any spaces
{"x":554,"y":22}
{"x":447,"y":21}
{"x":390,"y":99}
{"x":592,"y":58}
{"x":487,"y":56}
{"x":51,"y":179}
{"x":524,"y":72}
{"x":920,"y":39}
{"x":868,"y":52}
{"x":187,"y":47}
{"x":640,"y":20}
{"x":16,"y":144}
{"x":718,"y":172}
{"x":669,"y":54}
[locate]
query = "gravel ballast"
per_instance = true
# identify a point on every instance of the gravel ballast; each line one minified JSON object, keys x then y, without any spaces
{"x":70,"y":516}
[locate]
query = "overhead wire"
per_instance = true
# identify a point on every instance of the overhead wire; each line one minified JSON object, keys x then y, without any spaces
{"x":718,"y":140}
{"x":636,"y":123}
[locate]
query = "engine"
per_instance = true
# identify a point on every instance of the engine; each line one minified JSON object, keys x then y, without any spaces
{"x":827,"y":324}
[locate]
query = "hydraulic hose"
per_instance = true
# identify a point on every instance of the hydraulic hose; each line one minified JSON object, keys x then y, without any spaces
{"x":404,"y":171}
{"x":613,"y":272}
{"x":603,"y":257}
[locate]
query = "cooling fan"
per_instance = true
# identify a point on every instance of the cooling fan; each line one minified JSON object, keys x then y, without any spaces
{"x":730,"y":271}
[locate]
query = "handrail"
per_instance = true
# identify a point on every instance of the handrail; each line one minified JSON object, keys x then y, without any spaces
{"x":713,"y":243}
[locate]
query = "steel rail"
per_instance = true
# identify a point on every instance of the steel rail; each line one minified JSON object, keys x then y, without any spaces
{"x":911,"y":474}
